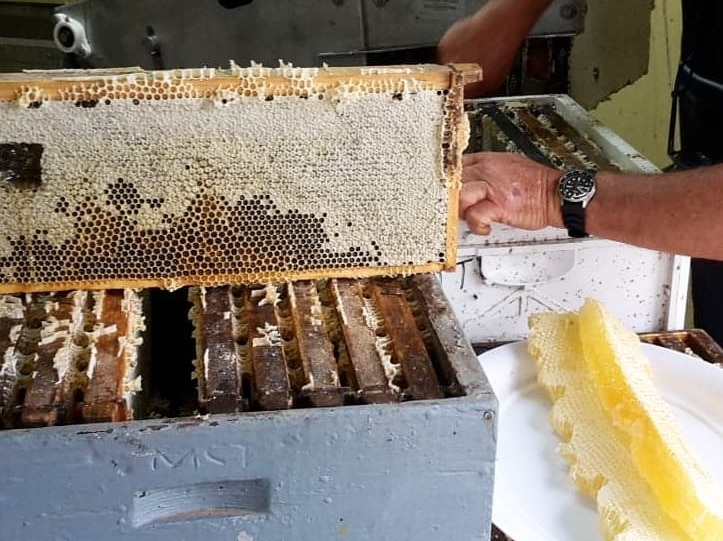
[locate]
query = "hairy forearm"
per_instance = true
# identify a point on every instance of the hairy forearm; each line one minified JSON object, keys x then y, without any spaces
{"x":675,"y":212}
{"x":491,"y":38}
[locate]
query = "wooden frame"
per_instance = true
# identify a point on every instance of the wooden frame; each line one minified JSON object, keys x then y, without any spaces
{"x":86,"y":100}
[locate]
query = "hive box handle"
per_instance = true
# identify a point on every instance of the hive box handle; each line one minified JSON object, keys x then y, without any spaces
{"x":229,"y":498}
{"x":526,"y":269}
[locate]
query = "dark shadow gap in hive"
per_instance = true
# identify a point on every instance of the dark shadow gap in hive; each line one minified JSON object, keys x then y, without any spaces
{"x":171,"y":388}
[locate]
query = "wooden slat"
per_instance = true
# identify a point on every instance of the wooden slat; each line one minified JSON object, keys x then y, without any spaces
{"x":360,"y":341}
{"x":315,"y":347}
{"x":580,"y":141}
{"x":453,"y":146}
{"x":407,"y":346}
{"x":704,"y":345}
{"x":75,"y":348}
{"x":261,"y":276}
{"x":444,"y":336}
{"x":271,"y":381}
{"x":241,"y":346}
{"x":56,"y":84}
{"x":514,"y":133}
{"x":222,"y":380}
{"x":697,"y":340}
{"x":538,"y":132}
{"x":104,"y":397}
{"x":673,"y":342}
{"x":6,"y":326}
{"x":498,"y":535}
{"x":15,"y":384}
{"x":41,"y":407}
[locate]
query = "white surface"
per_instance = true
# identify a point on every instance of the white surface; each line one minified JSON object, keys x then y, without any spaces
{"x":496,"y":289}
{"x":534,"y":497}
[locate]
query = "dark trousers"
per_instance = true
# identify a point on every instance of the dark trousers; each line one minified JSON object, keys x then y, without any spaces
{"x":707,"y":290}
{"x":701,"y":137}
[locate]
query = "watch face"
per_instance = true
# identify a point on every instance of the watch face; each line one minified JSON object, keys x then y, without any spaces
{"x":577,"y":186}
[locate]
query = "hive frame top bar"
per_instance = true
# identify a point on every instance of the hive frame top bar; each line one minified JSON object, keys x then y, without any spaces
{"x":125,"y":178}
{"x":430,"y":76}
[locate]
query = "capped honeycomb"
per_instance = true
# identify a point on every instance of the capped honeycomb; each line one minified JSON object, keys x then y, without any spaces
{"x":238,"y":176}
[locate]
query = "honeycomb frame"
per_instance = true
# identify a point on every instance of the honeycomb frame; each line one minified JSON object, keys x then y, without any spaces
{"x":132,"y":179}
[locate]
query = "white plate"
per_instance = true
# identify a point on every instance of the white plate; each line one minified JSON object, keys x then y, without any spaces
{"x":534,"y":497}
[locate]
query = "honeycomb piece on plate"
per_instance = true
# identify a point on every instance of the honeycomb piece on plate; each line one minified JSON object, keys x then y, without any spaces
{"x":244,"y":176}
{"x":620,"y":440}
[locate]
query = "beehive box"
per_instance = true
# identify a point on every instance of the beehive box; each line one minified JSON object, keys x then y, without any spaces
{"x":398,"y":444}
{"x":502,"y":279}
{"x":246,"y":175}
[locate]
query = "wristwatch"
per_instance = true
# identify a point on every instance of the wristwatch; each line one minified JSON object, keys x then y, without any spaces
{"x":576,"y":189}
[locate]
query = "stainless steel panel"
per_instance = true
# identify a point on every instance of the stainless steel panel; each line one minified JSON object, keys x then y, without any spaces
{"x":193,"y":33}
{"x":396,"y":23}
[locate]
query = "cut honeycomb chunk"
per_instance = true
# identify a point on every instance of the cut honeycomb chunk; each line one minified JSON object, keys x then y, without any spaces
{"x":622,"y":444}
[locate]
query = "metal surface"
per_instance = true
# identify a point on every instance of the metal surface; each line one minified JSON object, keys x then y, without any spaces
{"x":26,"y":37}
{"x":188,"y":33}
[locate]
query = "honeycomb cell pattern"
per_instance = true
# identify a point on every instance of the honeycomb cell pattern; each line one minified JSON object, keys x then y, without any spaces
{"x":178,"y":178}
{"x":213,"y":236}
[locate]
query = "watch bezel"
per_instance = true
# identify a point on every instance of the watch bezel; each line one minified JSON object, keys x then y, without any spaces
{"x":577,"y":186}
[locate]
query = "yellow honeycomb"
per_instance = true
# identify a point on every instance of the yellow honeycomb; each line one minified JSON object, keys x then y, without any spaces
{"x":621,"y":440}
{"x":243,"y":176}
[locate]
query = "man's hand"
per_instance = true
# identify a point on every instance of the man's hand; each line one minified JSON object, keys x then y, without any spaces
{"x":510,"y":189}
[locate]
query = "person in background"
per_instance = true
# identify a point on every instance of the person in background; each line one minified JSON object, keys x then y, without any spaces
{"x":678,"y":212}
{"x":491,"y":38}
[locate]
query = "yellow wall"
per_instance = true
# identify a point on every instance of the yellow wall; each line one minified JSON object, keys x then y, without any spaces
{"x":639,"y":113}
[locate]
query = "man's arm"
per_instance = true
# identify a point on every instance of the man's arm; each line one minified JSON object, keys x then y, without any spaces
{"x":491,"y":38}
{"x":672,"y":212}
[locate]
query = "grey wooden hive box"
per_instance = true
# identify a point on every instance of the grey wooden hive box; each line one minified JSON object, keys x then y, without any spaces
{"x":420,"y":469}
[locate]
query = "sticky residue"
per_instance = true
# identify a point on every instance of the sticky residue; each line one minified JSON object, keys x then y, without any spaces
{"x":269,"y":336}
{"x":382,"y":343}
{"x":269,"y":295}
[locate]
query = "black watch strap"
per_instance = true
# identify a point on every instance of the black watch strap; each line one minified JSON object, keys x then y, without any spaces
{"x":573,"y":216}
